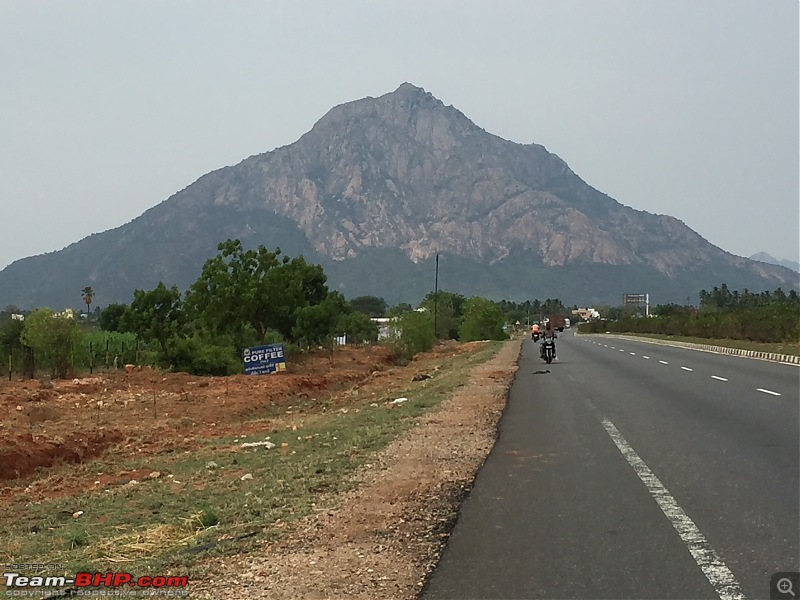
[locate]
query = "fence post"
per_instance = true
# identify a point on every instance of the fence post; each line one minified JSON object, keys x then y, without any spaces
{"x":91,"y":358}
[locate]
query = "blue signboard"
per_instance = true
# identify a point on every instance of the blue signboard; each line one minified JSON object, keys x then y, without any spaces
{"x":264,"y":359}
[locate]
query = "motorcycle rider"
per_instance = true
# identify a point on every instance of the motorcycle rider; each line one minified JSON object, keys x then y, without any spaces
{"x":552,"y":335}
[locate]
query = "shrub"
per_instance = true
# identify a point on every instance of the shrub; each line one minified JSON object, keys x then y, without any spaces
{"x":483,"y":320}
{"x":358,"y":328}
{"x":413,"y":334}
{"x":201,"y":356}
{"x":53,"y":339}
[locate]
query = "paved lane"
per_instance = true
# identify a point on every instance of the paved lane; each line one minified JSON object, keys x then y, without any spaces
{"x":558,"y":511}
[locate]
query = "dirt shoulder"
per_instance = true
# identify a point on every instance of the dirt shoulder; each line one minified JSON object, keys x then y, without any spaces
{"x":381,"y":539}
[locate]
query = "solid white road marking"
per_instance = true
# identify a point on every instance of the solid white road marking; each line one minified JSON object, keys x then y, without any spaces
{"x":718,"y":378}
{"x":768,"y":392}
{"x":715,"y":570}
{"x":663,"y":362}
{"x":687,"y":369}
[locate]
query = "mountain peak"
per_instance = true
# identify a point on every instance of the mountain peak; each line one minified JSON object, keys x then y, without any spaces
{"x":408,"y":111}
{"x":409,"y":89}
{"x":377,"y":189}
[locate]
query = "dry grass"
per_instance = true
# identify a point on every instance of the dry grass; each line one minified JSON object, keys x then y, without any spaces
{"x":135,"y":546}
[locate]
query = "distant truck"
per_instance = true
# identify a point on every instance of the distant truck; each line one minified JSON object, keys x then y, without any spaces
{"x":557,"y":322}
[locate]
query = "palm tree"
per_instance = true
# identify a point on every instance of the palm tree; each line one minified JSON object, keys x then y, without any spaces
{"x":87,"y":294}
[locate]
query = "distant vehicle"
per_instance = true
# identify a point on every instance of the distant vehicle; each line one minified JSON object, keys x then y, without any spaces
{"x":566,"y":324}
{"x":557,"y":322}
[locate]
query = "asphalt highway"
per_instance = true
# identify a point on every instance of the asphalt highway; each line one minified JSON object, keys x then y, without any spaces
{"x":633,"y":470}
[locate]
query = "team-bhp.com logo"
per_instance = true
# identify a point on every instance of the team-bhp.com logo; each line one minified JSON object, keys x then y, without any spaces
{"x":15,"y":582}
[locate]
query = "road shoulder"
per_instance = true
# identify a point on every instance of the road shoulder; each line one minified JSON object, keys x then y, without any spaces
{"x":387,"y":534}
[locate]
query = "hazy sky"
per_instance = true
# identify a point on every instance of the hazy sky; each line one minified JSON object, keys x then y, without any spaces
{"x":687,"y":108}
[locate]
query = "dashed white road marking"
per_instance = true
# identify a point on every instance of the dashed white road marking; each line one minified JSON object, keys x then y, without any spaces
{"x":687,"y":369}
{"x":621,"y":350}
{"x":718,"y":378}
{"x":613,"y":347}
{"x":645,"y":357}
{"x":633,"y":353}
{"x":770,"y":392}
{"x":715,"y":570}
{"x":663,"y":362}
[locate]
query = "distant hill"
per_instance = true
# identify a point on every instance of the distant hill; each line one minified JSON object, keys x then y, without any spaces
{"x":373,"y":192}
{"x":769,"y":259}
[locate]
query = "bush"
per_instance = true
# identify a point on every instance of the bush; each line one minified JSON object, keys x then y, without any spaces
{"x":358,"y":328}
{"x":413,"y":334}
{"x":53,"y":339}
{"x":201,"y":356}
{"x":483,"y":320}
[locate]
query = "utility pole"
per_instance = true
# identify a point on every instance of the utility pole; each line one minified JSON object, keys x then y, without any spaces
{"x":436,"y":296}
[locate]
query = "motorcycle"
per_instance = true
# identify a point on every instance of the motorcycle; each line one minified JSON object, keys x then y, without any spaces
{"x":548,"y":352}
{"x":535,"y":337}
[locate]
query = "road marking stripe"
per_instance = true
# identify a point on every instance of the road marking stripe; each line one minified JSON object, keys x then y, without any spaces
{"x":687,"y":369}
{"x":645,"y":357}
{"x":633,"y":353}
{"x":768,"y":392}
{"x":613,"y":348}
{"x":621,"y":350}
{"x":715,"y":570}
{"x":663,"y":362}
{"x":718,"y":378}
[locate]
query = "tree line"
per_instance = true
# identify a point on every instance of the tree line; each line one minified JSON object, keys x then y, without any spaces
{"x":248,"y":297}
{"x":770,"y":317}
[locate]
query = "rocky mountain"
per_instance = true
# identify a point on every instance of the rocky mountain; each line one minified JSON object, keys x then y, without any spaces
{"x":373,"y":192}
{"x":769,"y":259}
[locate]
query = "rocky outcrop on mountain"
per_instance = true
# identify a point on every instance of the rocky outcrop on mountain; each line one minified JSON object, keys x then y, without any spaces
{"x":375,"y":190}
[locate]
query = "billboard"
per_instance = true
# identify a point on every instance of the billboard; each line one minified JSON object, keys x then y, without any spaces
{"x":634,"y":298}
{"x":264,"y":359}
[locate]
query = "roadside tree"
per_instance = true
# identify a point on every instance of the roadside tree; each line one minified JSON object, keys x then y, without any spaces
{"x":316,"y":324}
{"x":483,"y":320}
{"x":413,"y":334}
{"x":258,"y":288}
{"x":447,"y":311}
{"x":358,"y":328}
{"x":111,"y":315}
{"x":155,"y":316}
{"x":372,"y":306}
{"x":52,"y":338}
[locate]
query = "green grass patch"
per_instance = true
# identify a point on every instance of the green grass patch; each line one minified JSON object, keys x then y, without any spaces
{"x":204,"y":499}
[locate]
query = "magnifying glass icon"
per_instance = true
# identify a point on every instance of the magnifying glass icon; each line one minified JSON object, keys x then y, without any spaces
{"x":784,"y":586}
